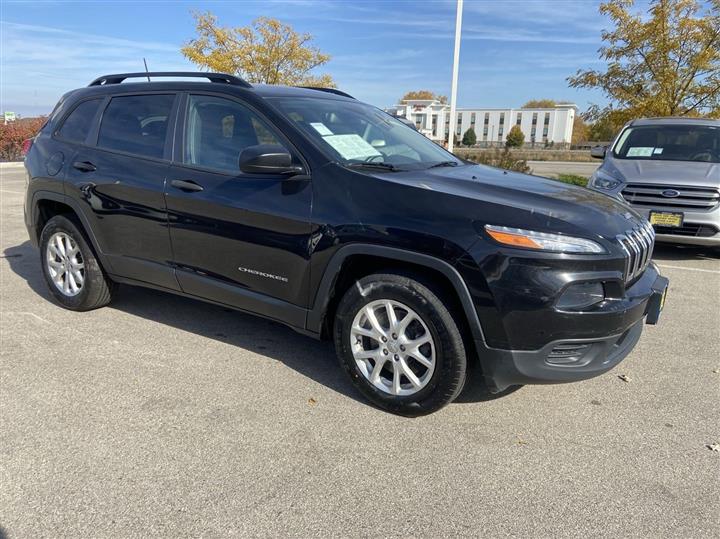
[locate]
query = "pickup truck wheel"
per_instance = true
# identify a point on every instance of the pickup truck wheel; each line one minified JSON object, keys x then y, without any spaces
{"x":72,"y":272}
{"x":400,"y":345}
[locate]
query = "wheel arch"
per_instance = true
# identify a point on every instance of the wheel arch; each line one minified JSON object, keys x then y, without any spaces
{"x":47,"y":204}
{"x":357,"y":260}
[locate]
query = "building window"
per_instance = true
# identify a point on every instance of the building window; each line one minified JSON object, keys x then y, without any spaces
{"x":545,"y":132}
{"x":532,"y":132}
{"x":534,"y":119}
{"x":519,"y":118}
{"x":500,"y":133}
{"x":472,"y":119}
{"x":487,"y":118}
{"x":547,"y":119}
{"x":502,"y":118}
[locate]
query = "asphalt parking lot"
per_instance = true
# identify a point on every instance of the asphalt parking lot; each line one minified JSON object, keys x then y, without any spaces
{"x":163,"y":416}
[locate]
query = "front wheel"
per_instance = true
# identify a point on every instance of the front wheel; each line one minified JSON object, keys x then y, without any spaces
{"x":399,"y":343}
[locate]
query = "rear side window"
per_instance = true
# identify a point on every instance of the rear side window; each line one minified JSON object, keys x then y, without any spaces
{"x":136,"y":124}
{"x":76,"y":126}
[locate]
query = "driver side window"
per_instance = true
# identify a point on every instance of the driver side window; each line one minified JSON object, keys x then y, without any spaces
{"x":218,"y":130}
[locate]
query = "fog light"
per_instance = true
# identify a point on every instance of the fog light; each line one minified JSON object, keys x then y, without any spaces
{"x":579,"y":296}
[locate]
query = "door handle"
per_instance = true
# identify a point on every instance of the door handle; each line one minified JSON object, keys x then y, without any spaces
{"x":84,"y":166}
{"x":187,"y":185}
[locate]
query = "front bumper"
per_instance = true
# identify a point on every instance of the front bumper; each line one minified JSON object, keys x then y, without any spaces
{"x":700,"y":228}
{"x":573,"y":359}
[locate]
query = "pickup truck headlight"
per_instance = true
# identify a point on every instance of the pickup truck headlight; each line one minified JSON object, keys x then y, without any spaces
{"x":601,"y":180}
{"x":542,"y":241}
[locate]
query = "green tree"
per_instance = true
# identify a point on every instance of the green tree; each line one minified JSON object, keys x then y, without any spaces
{"x":469,"y":138}
{"x":580,"y":131}
{"x":540,"y":104}
{"x":267,"y":51}
{"x":423,"y":94}
{"x":604,"y":128}
{"x":664,"y":64}
{"x":515,"y":137}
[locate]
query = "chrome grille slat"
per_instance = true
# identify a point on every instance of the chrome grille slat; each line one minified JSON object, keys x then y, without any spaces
{"x":662,"y":201}
{"x":700,"y":193}
{"x":689,"y":197}
{"x":637,"y":243}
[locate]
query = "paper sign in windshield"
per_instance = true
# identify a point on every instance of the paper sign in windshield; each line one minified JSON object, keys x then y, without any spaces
{"x":640,"y":151}
{"x":321,"y":128}
{"x":351,"y":146}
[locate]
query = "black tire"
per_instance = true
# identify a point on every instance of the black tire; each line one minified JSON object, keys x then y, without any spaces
{"x":448,"y":378}
{"x":96,"y":290}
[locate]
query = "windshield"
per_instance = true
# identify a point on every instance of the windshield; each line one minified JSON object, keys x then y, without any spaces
{"x":357,"y":134}
{"x":670,"y":143}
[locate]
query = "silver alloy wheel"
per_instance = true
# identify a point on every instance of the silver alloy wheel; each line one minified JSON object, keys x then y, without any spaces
{"x":65,"y":264}
{"x":393,"y":348}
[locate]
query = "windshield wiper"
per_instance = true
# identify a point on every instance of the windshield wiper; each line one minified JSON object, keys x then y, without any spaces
{"x":444,"y":164}
{"x":384,"y":166}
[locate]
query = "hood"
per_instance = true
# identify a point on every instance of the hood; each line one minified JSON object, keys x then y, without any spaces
{"x":546,"y":204}
{"x":671,"y":173}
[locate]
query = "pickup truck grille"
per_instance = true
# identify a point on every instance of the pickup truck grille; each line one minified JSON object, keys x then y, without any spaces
{"x":638,"y":244}
{"x":688,"y":198}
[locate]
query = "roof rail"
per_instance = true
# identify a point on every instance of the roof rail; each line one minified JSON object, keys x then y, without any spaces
{"x":329,"y":90}
{"x":213,"y":77}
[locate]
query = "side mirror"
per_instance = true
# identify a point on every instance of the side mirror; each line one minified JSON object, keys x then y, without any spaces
{"x":598,"y":152}
{"x":267,"y":159}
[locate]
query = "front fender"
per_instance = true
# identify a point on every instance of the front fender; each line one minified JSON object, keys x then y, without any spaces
{"x":319,"y":306}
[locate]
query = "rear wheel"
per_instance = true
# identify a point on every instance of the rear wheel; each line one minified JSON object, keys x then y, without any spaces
{"x":399,"y":343}
{"x":72,"y":272}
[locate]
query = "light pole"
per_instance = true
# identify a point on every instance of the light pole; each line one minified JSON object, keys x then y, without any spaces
{"x":456,"y":62}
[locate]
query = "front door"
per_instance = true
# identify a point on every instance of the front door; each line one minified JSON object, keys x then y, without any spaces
{"x":238,"y":239}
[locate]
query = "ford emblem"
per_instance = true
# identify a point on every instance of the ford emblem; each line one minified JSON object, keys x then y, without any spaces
{"x":670,"y":193}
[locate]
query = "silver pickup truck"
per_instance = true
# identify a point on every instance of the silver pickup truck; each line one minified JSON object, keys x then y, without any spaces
{"x":669,"y":170}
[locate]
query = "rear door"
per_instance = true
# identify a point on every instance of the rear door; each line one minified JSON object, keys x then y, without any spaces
{"x":120,"y":178}
{"x":238,"y":239}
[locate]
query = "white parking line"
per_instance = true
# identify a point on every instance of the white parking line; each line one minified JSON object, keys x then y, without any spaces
{"x":689,"y":269}
{"x":13,"y":192}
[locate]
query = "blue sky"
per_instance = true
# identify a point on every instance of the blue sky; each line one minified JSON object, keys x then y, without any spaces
{"x":512,"y":50}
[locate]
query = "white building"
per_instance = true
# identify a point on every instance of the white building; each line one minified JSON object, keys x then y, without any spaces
{"x":541,"y":126}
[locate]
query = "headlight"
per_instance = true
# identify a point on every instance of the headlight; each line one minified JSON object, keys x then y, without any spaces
{"x":604,"y":181}
{"x":544,"y":241}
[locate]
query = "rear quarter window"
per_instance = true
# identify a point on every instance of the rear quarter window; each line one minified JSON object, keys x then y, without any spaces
{"x":78,"y":123}
{"x":136,"y":124}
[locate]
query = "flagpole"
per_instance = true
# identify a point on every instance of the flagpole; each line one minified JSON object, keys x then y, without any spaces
{"x":456,"y":62}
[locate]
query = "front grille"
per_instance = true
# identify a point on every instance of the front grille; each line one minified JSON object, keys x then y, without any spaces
{"x":688,"y":229}
{"x":638,"y":246}
{"x":688,"y":198}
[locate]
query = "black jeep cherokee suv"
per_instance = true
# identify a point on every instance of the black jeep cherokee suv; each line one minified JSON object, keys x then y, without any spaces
{"x":308,"y":207}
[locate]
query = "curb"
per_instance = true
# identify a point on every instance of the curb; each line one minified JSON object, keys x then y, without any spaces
{"x":12,"y":165}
